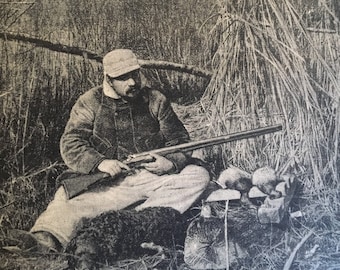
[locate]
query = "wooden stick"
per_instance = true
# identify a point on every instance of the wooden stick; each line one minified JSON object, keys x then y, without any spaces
{"x":226,"y":234}
{"x":57,"y":47}
{"x":175,"y":67}
{"x":290,"y":260}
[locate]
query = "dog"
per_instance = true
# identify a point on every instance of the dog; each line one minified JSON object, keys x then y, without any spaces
{"x":118,"y":235}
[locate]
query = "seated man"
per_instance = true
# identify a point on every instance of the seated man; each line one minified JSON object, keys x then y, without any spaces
{"x":121,"y":117}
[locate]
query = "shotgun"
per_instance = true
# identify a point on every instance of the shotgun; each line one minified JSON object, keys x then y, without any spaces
{"x":76,"y":185}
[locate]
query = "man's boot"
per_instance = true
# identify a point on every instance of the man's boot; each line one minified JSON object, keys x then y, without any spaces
{"x":47,"y":240}
{"x":23,"y":241}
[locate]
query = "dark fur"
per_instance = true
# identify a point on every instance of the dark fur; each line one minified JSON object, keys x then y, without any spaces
{"x":117,"y":235}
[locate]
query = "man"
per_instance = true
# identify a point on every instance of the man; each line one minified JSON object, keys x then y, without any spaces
{"x":107,"y":123}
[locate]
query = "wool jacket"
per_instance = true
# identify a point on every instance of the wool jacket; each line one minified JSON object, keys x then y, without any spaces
{"x":101,"y":127}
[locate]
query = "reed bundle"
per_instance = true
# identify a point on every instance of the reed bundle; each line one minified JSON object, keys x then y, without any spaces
{"x":271,"y":68}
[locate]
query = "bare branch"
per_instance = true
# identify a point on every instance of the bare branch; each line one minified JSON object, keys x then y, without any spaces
{"x":290,"y":260}
{"x":57,"y":47}
{"x":176,"y":67}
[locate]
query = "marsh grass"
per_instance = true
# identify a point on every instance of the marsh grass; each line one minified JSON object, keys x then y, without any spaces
{"x":270,"y":66}
{"x":277,"y":62}
{"x":38,"y":87}
{"x":271,"y":69}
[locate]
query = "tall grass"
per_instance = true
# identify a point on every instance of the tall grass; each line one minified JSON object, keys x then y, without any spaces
{"x":271,"y":65}
{"x":170,"y":31}
{"x":271,"y":69}
{"x":38,"y":87}
{"x":277,"y":62}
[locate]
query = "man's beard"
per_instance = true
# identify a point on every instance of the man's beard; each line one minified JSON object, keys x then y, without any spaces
{"x":134,"y":98}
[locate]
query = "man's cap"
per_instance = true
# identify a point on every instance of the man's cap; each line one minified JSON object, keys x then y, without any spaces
{"x":119,"y":62}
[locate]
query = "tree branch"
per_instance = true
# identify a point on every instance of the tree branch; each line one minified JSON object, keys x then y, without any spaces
{"x":290,"y":260}
{"x":57,"y":47}
{"x":175,"y":66}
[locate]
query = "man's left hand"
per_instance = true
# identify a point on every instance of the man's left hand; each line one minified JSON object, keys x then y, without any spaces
{"x":160,"y":166}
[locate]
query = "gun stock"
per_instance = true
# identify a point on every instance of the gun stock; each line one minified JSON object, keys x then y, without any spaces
{"x":75,"y":186}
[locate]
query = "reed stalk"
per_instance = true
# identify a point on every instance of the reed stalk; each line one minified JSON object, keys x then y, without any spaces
{"x":38,"y":87}
{"x":271,"y":69}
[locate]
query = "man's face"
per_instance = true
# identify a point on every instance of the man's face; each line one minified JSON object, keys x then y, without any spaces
{"x":127,"y":85}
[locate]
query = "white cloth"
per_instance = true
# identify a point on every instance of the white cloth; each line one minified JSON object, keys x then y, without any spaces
{"x":178,"y":191}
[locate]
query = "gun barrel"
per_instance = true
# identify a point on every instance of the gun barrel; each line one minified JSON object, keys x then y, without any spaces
{"x":76,"y":185}
{"x":190,"y":146}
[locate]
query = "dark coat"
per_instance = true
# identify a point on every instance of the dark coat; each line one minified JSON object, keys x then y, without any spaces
{"x":101,"y":128}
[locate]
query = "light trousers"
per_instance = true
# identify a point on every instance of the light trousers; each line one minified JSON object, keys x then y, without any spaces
{"x":178,"y":191}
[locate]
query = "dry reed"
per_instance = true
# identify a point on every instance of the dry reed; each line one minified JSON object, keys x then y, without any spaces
{"x":271,"y":66}
{"x":38,"y":87}
{"x":271,"y":69}
{"x":277,"y":62}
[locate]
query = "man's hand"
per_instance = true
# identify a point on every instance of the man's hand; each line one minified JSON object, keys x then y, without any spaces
{"x":160,"y":166}
{"x":112,"y":166}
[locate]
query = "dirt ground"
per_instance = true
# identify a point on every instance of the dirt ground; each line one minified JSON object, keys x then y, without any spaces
{"x":290,"y":244}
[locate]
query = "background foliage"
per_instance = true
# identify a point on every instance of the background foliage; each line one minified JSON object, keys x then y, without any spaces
{"x":278,"y":63}
{"x":38,"y":87}
{"x":49,"y":82}
{"x":273,"y":62}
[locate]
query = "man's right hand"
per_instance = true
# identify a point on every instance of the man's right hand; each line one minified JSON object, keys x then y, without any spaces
{"x":112,"y":166}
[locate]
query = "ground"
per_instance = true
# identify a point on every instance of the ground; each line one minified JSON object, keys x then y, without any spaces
{"x":271,"y":247}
